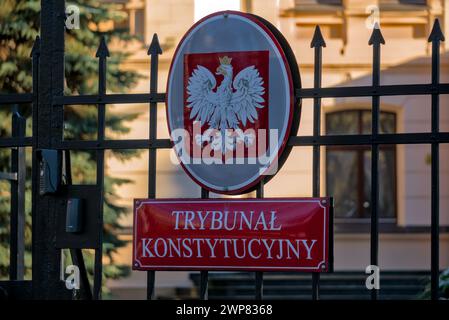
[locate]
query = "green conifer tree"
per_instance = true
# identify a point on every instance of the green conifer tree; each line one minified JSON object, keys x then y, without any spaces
{"x":18,"y":29}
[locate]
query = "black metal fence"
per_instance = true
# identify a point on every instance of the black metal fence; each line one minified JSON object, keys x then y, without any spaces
{"x":47,"y":102}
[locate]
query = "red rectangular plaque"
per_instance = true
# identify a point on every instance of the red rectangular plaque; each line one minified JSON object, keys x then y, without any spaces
{"x":289,"y":234}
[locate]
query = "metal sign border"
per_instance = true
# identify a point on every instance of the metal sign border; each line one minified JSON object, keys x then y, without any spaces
{"x":293,"y":78}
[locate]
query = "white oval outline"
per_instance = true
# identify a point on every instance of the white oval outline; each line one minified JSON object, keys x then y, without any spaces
{"x":287,"y":93}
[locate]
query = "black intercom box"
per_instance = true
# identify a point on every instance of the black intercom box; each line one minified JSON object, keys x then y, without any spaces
{"x":74,"y":215}
{"x":79,"y":221}
{"x":50,"y":164}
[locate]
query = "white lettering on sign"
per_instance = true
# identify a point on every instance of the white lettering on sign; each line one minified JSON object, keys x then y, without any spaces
{"x":230,"y":248}
{"x":236,"y":220}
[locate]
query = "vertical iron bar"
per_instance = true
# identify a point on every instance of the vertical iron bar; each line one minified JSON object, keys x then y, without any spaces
{"x":46,"y":257}
{"x":13,"y":263}
{"x":259,"y":285}
{"x":102,"y":54}
{"x":204,"y":286}
{"x":78,"y":260}
{"x":374,"y":244}
{"x":98,"y":268}
{"x":77,"y":254}
{"x":259,"y":274}
{"x":317,"y":43}
{"x":376,"y":40}
{"x":204,"y":274}
{"x":21,"y":180}
{"x":35,"y":54}
{"x":154,"y":51}
{"x":317,"y":118}
{"x":204,"y":193}
{"x":435,"y":37}
{"x":17,"y":222}
{"x":435,"y":237}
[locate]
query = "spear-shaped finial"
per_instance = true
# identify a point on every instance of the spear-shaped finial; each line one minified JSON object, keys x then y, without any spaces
{"x":154,"y":51}
{"x":102,"y":51}
{"x":376,"y":36}
{"x":317,"y":40}
{"x":36,"y":49}
{"x":155,"y":47}
{"x":436,"y":34}
{"x":435,"y":37}
{"x":376,"y":40}
{"x":102,"y":54}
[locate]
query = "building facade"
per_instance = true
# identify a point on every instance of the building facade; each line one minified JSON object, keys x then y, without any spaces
{"x":345,"y":171}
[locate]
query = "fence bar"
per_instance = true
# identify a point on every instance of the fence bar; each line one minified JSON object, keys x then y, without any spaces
{"x":259,"y":274}
{"x":77,"y":254}
{"x":115,"y":144}
{"x":259,"y":285}
{"x":367,"y":139}
{"x":317,"y":43}
{"x":78,"y":260}
{"x":102,"y":54}
{"x":153,"y":51}
{"x":369,"y":91}
{"x":435,"y":210}
{"x":46,"y":257}
{"x":11,"y":98}
{"x":328,"y":140}
{"x":35,"y":55}
{"x":436,"y":36}
{"x":116,"y":98}
{"x":8,"y":175}
{"x":376,"y":40}
{"x":17,"y":222}
{"x":204,"y":286}
{"x":303,"y":93}
{"x":16,"y":142}
{"x":204,"y":274}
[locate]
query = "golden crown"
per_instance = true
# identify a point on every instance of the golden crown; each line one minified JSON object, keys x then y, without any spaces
{"x":225,"y":60}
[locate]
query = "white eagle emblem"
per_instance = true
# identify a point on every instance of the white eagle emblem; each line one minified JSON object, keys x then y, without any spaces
{"x":234,"y":102}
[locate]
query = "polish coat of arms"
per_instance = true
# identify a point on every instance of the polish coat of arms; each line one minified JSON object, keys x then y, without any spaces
{"x":226,"y":94}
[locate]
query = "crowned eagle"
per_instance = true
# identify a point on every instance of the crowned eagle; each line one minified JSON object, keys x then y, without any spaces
{"x":230,"y":105}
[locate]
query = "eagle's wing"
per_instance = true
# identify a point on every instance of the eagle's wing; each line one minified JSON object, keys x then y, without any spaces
{"x":201,"y":99}
{"x":248,"y":95}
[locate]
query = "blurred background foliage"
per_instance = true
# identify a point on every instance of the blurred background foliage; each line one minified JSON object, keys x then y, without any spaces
{"x":18,"y":29}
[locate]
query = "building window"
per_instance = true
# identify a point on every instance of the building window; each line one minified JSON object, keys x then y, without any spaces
{"x":134,"y":18}
{"x":403,"y":2}
{"x":348,"y":168}
{"x":139,"y":24}
{"x":299,"y":3}
{"x":314,"y":7}
{"x":402,"y":5}
{"x":317,"y":6}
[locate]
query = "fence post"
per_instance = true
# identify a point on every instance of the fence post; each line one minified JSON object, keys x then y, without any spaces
{"x":102,"y":54}
{"x":153,"y":51}
{"x":46,"y":258}
{"x":259,"y":274}
{"x":436,"y":36}
{"x":204,"y":275}
{"x":17,"y":224}
{"x":317,"y":43}
{"x":376,"y":40}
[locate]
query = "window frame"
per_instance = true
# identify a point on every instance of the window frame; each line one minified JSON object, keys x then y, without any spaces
{"x":359,"y":219}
